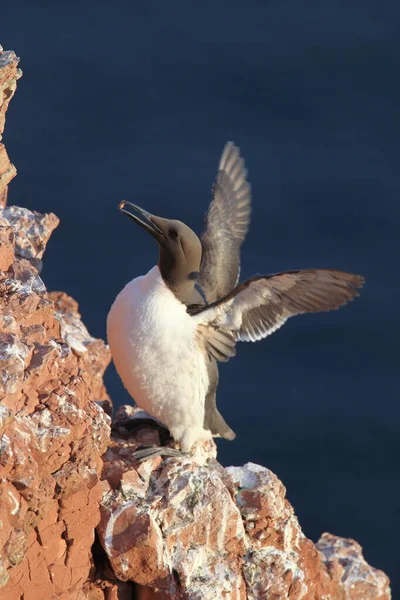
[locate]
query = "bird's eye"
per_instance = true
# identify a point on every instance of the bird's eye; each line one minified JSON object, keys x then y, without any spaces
{"x":173,"y":234}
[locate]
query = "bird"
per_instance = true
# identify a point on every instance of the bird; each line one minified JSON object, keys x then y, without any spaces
{"x":169,"y":329}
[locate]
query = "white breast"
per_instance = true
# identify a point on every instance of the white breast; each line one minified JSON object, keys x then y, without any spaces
{"x":155,"y":351}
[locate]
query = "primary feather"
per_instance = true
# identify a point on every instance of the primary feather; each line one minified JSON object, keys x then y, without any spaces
{"x":227,"y":222}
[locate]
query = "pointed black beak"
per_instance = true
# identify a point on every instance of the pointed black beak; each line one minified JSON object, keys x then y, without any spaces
{"x":142,"y":218}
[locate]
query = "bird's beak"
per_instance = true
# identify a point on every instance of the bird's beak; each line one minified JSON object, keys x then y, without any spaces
{"x":142,"y":218}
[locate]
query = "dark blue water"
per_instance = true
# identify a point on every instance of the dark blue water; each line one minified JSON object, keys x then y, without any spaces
{"x":135,"y":100}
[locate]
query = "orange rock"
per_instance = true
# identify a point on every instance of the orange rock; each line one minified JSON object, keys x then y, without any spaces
{"x":354,"y":578}
{"x":6,"y":247}
{"x":52,"y":432}
{"x":9,"y":74}
{"x":7,"y":170}
{"x":188,"y":528}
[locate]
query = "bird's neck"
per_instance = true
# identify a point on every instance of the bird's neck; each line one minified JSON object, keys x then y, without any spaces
{"x":182,"y":280}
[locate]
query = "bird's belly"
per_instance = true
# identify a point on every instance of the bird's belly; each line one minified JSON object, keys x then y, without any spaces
{"x":155,"y":351}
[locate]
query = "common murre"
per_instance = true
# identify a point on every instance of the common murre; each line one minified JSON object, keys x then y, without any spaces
{"x":168,"y":329}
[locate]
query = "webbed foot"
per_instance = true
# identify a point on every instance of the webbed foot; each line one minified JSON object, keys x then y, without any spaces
{"x":144,"y":452}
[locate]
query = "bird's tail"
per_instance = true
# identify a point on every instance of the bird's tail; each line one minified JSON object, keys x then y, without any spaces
{"x":219,"y":427}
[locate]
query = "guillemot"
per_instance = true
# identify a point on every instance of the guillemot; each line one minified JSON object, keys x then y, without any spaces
{"x":168,"y":329}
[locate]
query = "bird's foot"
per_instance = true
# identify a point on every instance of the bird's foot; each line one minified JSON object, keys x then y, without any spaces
{"x":144,"y":452}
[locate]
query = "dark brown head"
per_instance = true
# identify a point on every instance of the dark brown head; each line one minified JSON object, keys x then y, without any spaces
{"x":180,"y":250}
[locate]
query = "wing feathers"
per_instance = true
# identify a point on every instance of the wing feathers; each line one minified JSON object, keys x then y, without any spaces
{"x":227,"y":221}
{"x":259,"y":306}
{"x":219,"y":344}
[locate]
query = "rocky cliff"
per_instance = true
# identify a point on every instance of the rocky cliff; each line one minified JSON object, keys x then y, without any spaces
{"x":174,"y":528}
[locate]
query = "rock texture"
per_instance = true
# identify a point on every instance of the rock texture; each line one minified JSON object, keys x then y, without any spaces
{"x":9,"y":74}
{"x":52,"y":433}
{"x":190,"y":529}
{"x":175,"y":528}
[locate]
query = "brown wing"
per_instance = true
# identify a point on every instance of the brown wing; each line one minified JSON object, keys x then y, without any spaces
{"x":293,"y":293}
{"x":259,"y":306}
{"x":227,"y":221}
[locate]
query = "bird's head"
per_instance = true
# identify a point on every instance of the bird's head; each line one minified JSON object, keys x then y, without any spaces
{"x":179,"y":247}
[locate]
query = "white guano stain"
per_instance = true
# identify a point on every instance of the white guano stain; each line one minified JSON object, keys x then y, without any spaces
{"x":17,"y":504}
{"x":109,"y":533}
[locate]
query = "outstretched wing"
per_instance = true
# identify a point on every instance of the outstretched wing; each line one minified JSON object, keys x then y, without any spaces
{"x":227,"y":221}
{"x":259,"y":306}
